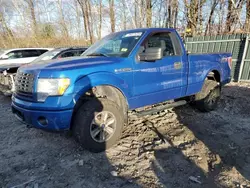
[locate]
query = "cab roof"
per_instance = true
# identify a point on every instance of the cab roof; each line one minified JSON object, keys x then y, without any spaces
{"x":149,"y":30}
{"x":7,"y":50}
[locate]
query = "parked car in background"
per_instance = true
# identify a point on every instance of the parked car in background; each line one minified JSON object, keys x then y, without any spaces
{"x":8,"y":71}
{"x":59,"y":53}
{"x":20,"y":55}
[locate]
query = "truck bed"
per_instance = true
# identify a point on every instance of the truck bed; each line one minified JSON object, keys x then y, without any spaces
{"x":201,"y":64}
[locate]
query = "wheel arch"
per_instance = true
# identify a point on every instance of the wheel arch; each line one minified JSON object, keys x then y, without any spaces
{"x":214,"y":75}
{"x":106,"y":91}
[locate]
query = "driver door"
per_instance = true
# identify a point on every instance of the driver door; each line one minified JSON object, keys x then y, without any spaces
{"x":159,"y":80}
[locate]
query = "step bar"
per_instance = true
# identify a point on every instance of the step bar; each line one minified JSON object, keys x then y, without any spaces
{"x":161,"y":108}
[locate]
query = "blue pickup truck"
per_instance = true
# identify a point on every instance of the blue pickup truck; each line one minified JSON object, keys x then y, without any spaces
{"x":127,"y":70}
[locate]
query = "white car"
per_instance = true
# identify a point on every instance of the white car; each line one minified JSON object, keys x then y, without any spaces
{"x":21,"y":55}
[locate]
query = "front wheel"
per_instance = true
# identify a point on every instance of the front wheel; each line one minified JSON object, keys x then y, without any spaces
{"x":208,"y":98}
{"x":98,"y":124}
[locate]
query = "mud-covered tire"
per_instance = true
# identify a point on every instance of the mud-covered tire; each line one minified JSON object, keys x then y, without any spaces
{"x":83,"y":124}
{"x":208,"y":98}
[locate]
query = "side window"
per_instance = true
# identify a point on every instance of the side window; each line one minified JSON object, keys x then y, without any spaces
{"x":160,"y":40}
{"x":77,"y":52}
{"x":81,"y":51}
{"x":15,"y":54}
{"x":40,"y":52}
{"x":66,"y":54}
{"x":30,"y":53}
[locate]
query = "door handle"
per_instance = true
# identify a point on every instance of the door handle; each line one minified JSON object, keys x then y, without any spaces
{"x":177,"y":65}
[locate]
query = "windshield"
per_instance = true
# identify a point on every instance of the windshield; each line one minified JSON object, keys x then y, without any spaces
{"x":47,"y":56}
{"x":115,"y":45}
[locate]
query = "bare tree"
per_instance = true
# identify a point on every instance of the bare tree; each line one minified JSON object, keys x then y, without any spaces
{"x":7,"y":36}
{"x":89,"y":20}
{"x":87,"y":16}
{"x":19,"y":11}
{"x":194,"y":15}
{"x":141,"y":13}
{"x":149,"y":13}
{"x":221,"y":14}
{"x":192,"y":8}
{"x":175,"y":13}
{"x":112,"y":15}
{"x":171,"y":13}
{"x":83,"y":8}
{"x":214,"y":4}
{"x":100,"y":20}
{"x":4,"y":26}
{"x":169,"y":17}
{"x":247,"y":22}
{"x":233,"y":15}
{"x":230,"y":16}
{"x":46,"y":5}
{"x":136,"y":13}
{"x":124,"y":15}
{"x":31,"y":5}
{"x":131,"y":14}
{"x":78,"y":18}
{"x":62,"y":21}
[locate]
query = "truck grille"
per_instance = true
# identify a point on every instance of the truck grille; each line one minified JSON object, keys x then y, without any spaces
{"x":24,"y":84}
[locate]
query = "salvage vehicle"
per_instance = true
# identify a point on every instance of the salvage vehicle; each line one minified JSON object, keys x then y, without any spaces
{"x":59,"y":53}
{"x":127,"y":70}
{"x":15,"y":58}
{"x":8,"y":71}
{"x":20,"y":55}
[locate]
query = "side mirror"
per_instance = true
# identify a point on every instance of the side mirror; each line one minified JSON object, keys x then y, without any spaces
{"x":151,"y":54}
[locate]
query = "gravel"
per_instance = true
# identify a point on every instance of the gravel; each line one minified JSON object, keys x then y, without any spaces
{"x":162,"y":150}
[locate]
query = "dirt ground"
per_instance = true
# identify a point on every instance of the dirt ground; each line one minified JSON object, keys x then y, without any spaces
{"x":175,"y":148}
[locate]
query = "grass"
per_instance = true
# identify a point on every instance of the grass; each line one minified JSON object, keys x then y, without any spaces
{"x":11,"y":42}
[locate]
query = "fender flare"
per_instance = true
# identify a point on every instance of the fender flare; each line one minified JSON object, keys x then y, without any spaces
{"x":87,"y":82}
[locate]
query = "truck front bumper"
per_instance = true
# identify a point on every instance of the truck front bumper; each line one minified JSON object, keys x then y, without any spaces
{"x":50,"y":120}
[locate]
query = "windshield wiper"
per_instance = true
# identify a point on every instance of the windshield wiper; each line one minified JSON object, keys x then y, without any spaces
{"x":97,"y":54}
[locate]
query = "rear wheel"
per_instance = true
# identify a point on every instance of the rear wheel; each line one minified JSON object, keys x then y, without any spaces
{"x":98,"y":124}
{"x":208,"y":98}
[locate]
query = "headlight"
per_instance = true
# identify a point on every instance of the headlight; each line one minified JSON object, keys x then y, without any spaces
{"x":51,"y":87}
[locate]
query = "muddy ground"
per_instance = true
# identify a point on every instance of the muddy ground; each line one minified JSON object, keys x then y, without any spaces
{"x":176,"y":148}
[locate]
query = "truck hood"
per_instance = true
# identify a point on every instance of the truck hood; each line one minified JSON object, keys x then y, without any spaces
{"x":71,"y":63}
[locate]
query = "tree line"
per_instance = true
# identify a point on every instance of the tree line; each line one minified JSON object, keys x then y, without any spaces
{"x":82,"y":22}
